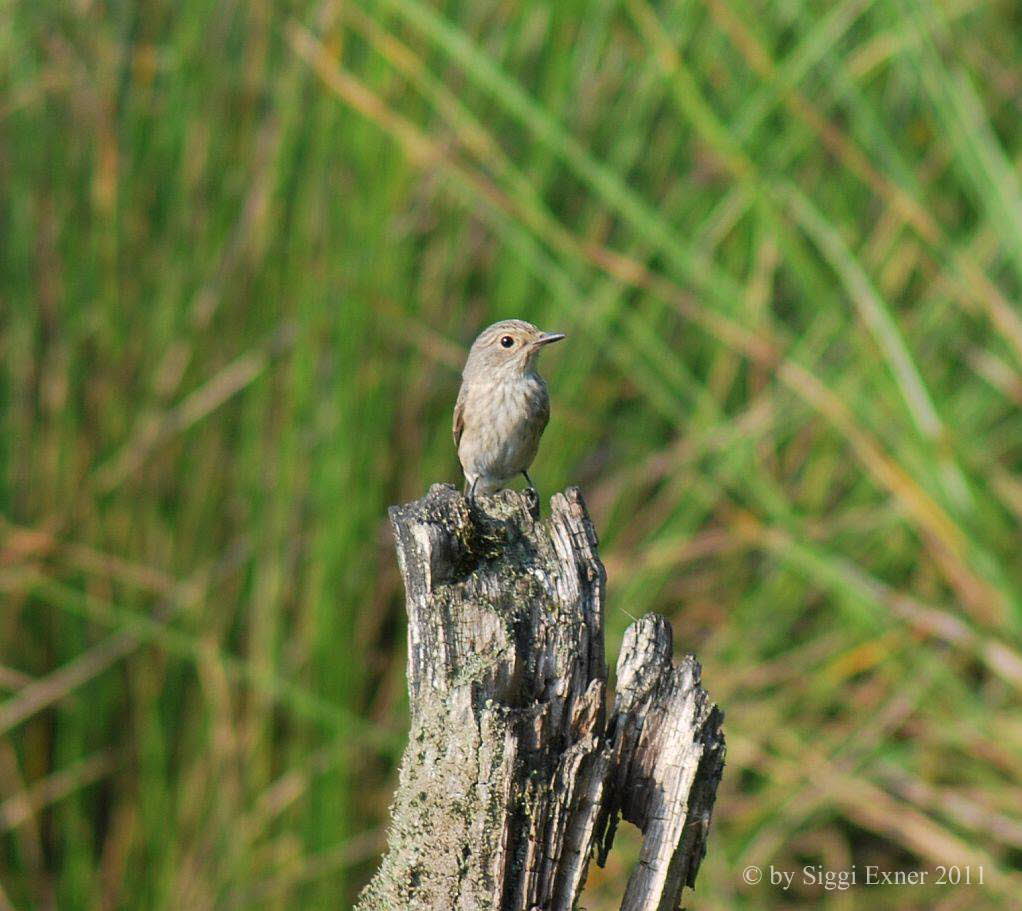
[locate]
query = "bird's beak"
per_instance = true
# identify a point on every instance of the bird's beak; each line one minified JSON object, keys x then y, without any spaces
{"x":547,"y":337}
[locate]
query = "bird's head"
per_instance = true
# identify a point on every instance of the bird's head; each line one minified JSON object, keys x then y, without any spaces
{"x":508,"y":347}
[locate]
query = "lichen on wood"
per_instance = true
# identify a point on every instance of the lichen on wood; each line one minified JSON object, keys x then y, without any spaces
{"x":511,"y":775}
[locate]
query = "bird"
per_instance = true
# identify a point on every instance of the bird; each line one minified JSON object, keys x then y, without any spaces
{"x":503,"y":405}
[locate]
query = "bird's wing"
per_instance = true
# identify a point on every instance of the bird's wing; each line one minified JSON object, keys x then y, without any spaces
{"x":543,"y":408}
{"x":459,"y":417}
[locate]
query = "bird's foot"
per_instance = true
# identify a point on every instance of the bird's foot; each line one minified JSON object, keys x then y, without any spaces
{"x":532,"y":497}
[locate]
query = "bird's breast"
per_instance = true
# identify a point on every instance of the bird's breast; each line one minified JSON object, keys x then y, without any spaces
{"x":516,"y":400}
{"x":504,"y":419}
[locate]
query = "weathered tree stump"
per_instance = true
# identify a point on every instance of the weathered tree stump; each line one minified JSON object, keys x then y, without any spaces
{"x":512,"y":776}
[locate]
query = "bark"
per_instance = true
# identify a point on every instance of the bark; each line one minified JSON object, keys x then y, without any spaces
{"x":512,"y":776}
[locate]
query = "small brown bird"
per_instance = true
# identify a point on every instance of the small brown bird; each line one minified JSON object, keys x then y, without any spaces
{"x":503,"y":405}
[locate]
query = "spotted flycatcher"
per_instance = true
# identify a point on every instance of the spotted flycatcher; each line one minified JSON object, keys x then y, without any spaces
{"x":503,"y":405}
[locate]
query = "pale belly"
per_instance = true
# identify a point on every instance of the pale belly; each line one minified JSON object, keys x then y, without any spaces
{"x":502,"y":432}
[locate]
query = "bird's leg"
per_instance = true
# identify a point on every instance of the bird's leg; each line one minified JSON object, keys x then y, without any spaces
{"x":472,"y":490}
{"x":533,"y":496}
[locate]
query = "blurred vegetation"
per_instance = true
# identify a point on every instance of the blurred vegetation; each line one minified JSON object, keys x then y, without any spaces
{"x":243,"y":246}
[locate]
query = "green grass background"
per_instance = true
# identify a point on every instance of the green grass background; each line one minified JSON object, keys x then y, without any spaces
{"x":243,"y":248}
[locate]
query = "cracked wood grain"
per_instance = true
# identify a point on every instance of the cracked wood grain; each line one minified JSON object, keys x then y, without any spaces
{"x":512,"y":775}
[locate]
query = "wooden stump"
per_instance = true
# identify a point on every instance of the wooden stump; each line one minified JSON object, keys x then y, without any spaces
{"x":512,"y":775}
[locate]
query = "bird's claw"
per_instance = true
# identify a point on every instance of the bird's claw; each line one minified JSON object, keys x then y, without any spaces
{"x":532,"y":495}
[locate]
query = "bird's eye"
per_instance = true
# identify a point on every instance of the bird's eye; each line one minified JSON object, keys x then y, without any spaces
{"x":507,"y":341}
